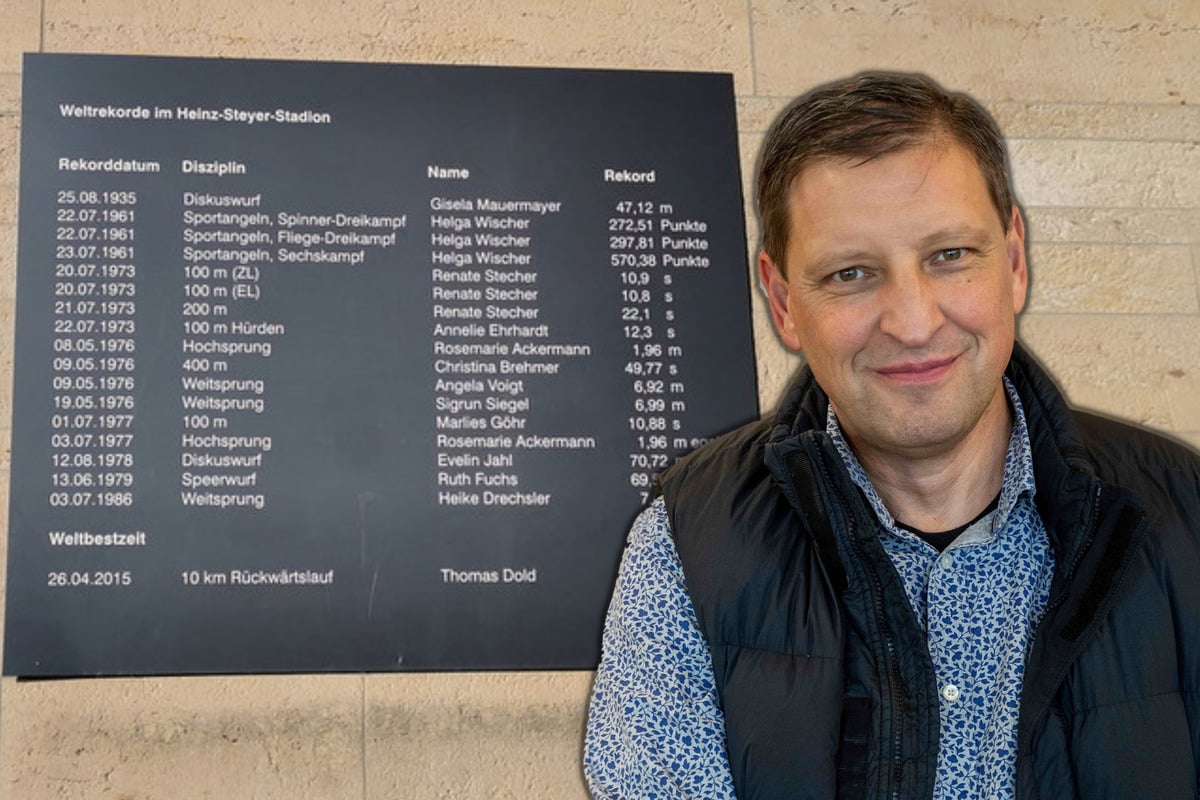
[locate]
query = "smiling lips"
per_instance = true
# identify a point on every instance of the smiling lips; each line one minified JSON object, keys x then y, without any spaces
{"x":925,"y":371}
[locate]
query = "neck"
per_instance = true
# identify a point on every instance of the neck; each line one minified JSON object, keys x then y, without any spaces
{"x":944,"y":487}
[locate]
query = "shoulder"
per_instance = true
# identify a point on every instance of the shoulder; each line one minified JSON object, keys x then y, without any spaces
{"x":649,"y":549}
{"x":739,"y":452}
{"x":710,"y":489}
{"x":1121,"y":450}
{"x":1162,"y":472}
{"x":731,"y":523}
{"x":650,"y":595}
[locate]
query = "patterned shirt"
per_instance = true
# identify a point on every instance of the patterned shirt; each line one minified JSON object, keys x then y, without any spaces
{"x":655,"y":729}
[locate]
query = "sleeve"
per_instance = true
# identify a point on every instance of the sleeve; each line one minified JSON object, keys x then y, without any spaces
{"x":655,"y":730}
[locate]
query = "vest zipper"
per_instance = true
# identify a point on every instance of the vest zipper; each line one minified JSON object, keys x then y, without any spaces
{"x":1054,"y":603}
{"x":895,"y":682}
{"x":1093,"y":524}
{"x":899,"y":696}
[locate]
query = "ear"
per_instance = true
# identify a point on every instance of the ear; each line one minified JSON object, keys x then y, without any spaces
{"x":776,"y":288}
{"x":1016,"y":259}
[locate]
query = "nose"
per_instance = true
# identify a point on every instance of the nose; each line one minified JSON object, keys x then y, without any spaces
{"x":912,"y":311}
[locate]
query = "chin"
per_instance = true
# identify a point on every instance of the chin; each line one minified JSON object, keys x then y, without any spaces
{"x":909,"y":436}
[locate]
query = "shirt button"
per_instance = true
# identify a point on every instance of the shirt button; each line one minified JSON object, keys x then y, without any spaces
{"x":950,"y":692}
{"x":946,"y":561}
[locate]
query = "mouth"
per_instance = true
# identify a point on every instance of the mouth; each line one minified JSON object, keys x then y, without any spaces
{"x":924,"y":371}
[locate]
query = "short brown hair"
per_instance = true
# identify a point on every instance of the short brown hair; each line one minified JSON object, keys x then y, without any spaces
{"x":865,"y":117}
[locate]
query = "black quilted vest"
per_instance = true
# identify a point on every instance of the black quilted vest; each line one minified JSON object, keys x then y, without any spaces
{"x":822,"y":671}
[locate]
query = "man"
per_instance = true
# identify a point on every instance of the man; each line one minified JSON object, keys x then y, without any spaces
{"x":926,"y":576}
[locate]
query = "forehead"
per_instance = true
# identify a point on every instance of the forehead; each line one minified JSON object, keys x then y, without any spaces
{"x":917,"y":188}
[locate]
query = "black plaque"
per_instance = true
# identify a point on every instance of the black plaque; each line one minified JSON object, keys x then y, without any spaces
{"x":356,"y":367}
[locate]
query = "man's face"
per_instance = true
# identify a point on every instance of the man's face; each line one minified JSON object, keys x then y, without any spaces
{"x":901,"y":289}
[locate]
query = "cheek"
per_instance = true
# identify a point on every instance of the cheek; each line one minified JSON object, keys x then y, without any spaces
{"x":833,"y":333}
{"x":986,"y":328}
{"x":984,"y":309}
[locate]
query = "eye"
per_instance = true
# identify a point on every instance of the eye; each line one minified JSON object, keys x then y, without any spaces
{"x":848,"y":275}
{"x":950,"y":254}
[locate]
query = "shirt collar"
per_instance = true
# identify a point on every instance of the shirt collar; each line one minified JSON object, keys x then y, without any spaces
{"x":1018,"y":466}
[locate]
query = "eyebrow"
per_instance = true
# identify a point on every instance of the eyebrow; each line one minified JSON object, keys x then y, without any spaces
{"x":969,"y":232}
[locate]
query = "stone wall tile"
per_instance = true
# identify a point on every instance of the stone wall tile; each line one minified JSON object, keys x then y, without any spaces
{"x":1031,"y":120}
{"x":495,"y":735}
{"x":278,"y":737}
{"x":8,"y":203}
{"x":748,"y":147}
{"x":1113,"y":225}
{"x":1183,"y":395}
{"x":1171,"y":123}
{"x":1081,"y":278}
{"x":7,"y":306}
{"x":1196,"y":268}
{"x":20,"y":32}
{"x":10,"y":93}
{"x":755,"y":114}
{"x":702,"y":35}
{"x":1074,"y":172}
{"x":10,"y":139}
{"x":8,"y":260}
{"x":1072,"y":51}
{"x":1126,"y":365}
{"x":752,"y":233}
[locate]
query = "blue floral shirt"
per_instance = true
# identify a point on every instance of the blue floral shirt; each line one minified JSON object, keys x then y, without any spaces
{"x":655,"y":729}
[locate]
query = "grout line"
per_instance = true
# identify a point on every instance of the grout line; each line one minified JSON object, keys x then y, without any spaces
{"x":1182,"y":139}
{"x":992,"y":101}
{"x":753,"y":53}
{"x":1163,"y":316}
{"x":1032,"y":310}
{"x":1171,"y":244}
{"x":42,"y":29}
{"x":1111,"y":208}
{"x":1163,"y":104}
{"x":1109,"y":243}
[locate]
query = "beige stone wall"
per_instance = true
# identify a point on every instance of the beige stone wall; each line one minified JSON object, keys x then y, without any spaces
{"x":1101,"y":100}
